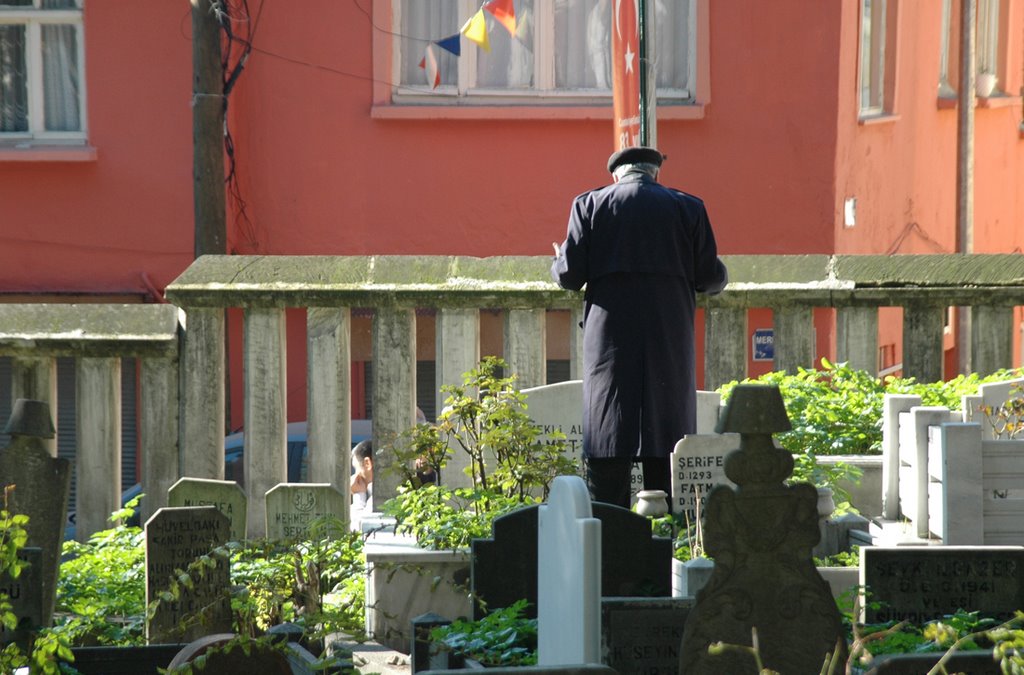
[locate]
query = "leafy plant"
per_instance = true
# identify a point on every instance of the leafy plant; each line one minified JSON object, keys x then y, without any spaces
{"x":510,"y":463}
{"x":485,"y":417}
{"x":102,"y":584}
{"x":504,"y":637}
{"x":441,"y":518}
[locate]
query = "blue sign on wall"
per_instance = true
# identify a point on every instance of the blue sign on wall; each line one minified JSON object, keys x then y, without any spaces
{"x":764,"y":344}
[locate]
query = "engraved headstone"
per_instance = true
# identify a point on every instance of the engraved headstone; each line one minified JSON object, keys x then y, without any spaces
{"x":175,"y":538}
{"x":292,"y":508}
{"x":559,"y":407}
{"x":698,"y":465}
{"x":642,"y":635}
{"x":25,"y":593}
{"x":226,"y":495}
{"x":41,"y":486}
{"x":922,"y":583}
{"x":760,"y":535}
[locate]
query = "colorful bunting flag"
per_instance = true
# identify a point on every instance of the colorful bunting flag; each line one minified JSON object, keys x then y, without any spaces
{"x":505,"y":13}
{"x":451,"y":44}
{"x":476,"y":30}
{"x":429,"y":65}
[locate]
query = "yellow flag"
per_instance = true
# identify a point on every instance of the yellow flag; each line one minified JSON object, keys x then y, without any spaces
{"x":476,"y":30}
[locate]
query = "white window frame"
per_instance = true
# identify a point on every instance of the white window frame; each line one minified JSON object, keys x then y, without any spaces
{"x":544,"y":91}
{"x":946,"y":88}
{"x":989,"y":34}
{"x":34,"y":18}
{"x":872,"y":64}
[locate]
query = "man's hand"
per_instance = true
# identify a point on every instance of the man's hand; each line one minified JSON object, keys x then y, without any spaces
{"x":554,"y":245}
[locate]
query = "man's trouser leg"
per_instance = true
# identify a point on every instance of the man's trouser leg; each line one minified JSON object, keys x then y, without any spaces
{"x":608,"y":479}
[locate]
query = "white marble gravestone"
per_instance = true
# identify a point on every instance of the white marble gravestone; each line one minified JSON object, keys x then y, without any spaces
{"x":226,"y":495}
{"x":559,"y":407}
{"x":698,"y":465}
{"x":568,"y":576}
{"x":292,"y":507}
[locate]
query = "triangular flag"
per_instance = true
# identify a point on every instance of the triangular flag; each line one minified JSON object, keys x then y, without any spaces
{"x":451,"y":44}
{"x":476,"y":30}
{"x":429,"y":64}
{"x":505,"y":12}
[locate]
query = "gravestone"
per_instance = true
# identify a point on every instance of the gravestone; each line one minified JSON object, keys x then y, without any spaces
{"x":568,"y":576}
{"x":226,"y":495}
{"x":42,"y":485}
{"x":698,"y":465}
{"x":559,"y":407}
{"x":504,"y":567}
{"x":256,"y":659}
{"x":922,"y":583}
{"x":25,"y":594}
{"x":292,"y":508}
{"x":641,"y":635}
{"x":175,"y":538}
{"x":760,"y":535}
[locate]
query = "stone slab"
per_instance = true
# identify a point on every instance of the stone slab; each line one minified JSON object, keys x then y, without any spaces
{"x":505,"y":568}
{"x":698,"y":465}
{"x":559,"y":407}
{"x":922,"y":583}
{"x":292,"y":508}
{"x":175,"y":537}
{"x":226,"y":496}
{"x":568,"y":576}
{"x":26,"y":597}
{"x":640,"y":635}
{"x":89,"y":329}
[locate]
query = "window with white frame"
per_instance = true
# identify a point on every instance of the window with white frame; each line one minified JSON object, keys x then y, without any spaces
{"x":946,"y":51}
{"x":41,"y":74}
{"x":560,"y":53}
{"x":988,"y":43}
{"x":872,"y":56}
{"x":988,"y":37}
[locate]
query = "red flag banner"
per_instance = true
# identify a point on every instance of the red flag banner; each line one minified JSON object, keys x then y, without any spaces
{"x":626,"y":73}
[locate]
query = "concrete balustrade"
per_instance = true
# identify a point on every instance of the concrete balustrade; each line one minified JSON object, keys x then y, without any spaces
{"x":456,"y":288}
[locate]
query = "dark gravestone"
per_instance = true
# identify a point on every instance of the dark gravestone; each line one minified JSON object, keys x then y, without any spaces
{"x":641,"y":635}
{"x":922,"y":583}
{"x":26,"y":597}
{"x":633,"y":562}
{"x":223,"y":657}
{"x":962,"y":663}
{"x":760,"y":536}
{"x":42,"y":485}
{"x":175,"y":538}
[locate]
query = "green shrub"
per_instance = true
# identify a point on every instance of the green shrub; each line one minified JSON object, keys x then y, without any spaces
{"x":510,"y":464}
{"x":504,"y":637}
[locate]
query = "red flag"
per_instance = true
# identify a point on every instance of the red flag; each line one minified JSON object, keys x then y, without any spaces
{"x":505,"y":12}
{"x":429,"y":65}
{"x":625,"y":73}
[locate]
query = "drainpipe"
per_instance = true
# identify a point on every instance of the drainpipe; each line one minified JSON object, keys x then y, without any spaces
{"x":965,"y":166}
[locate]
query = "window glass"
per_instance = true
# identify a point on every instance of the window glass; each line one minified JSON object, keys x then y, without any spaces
{"x":988,"y":36}
{"x":561,"y":47}
{"x":60,"y":77}
{"x":13,"y":80}
{"x":872,"y":56}
{"x":41,"y":85}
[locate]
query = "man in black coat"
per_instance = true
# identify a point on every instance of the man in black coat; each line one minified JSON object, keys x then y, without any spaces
{"x":643,"y":251}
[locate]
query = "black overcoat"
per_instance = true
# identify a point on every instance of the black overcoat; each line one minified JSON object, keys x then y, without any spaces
{"x":643,"y":251}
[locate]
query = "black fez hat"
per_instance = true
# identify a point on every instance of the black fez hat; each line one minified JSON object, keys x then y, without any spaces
{"x":635,"y":155}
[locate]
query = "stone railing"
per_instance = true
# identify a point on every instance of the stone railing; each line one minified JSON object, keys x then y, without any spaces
{"x":457,"y":288}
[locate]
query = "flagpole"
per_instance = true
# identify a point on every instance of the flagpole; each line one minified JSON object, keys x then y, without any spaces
{"x":645,"y":132}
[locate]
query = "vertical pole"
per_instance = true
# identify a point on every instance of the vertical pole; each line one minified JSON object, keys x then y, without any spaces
{"x":641,"y":19}
{"x":207,"y":131}
{"x":965,"y":166}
